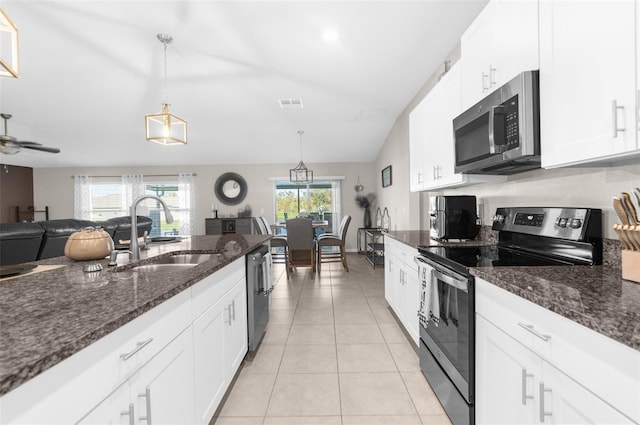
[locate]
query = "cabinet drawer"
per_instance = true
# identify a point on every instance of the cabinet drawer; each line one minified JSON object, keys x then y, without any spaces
{"x":402,"y":251}
{"x":61,"y":394}
{"x":210,"y":289}
{"x":607,"y":368}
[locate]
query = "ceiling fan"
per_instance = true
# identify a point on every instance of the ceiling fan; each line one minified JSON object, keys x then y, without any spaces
{"x":10,"y":145}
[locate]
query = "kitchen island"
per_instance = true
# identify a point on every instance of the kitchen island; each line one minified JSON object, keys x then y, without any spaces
{"x":49,"y":316}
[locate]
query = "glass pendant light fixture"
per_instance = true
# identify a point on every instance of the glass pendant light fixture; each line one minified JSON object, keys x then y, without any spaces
{"x":165,"y":128}
{"x":8,"y":47}
{"x":300,"y":174}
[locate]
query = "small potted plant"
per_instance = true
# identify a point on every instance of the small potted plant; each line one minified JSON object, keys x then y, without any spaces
{"x":365,"y":202}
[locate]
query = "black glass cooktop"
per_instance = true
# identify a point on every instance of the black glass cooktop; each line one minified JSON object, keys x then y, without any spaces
{"x":485,"y":256}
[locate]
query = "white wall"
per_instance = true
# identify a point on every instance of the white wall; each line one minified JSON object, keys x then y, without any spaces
{"x":53,"y":187}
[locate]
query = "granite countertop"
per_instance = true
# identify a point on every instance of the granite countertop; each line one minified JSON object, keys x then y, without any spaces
{"x":50,"y":315}
{"x":594,"y":296}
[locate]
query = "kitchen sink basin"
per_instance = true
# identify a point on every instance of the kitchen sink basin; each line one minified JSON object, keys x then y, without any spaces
{"x":185,"y":259}
{"x":155,"y":268}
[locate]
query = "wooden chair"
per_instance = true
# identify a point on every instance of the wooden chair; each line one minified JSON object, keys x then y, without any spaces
{"x":277,"y":241}
{"x":301,"y":244}
{"x":331,"y":240}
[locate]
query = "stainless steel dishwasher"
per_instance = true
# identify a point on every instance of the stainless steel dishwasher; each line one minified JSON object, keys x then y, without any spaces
{"x":259,"y":287}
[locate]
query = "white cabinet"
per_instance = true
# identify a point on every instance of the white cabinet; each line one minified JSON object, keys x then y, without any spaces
{"x":161,"y":392}
{"x":401,"y":285}
{"x":588,"y":98}
{"x":500,"y":43}
{"x":534,"y":366}
{"x":220,"y":340}
{"x":431,"y":143}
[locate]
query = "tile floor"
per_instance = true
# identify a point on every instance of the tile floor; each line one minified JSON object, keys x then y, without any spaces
{"x":333,"y":354}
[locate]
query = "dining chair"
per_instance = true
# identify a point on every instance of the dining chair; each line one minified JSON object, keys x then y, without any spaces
{"x":277,"y":241}
{"x":301,"y":244}
{"x":331,"y":240}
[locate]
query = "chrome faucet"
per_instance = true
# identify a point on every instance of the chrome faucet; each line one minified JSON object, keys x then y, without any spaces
{"x":133,"y":245}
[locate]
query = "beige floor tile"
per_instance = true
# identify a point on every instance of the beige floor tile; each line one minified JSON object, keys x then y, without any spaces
{"x":310,"y":290}
{"x":365,"y":358}
{"x":313,"y":316}
{"x":309,"y":359}
{"x":303,"y":420}
{"x":421,"y":393}
{"x":383,"y":315}
{"x":382,"y":420}
{"x":353,"y":291}
{"x":315,"y":303}
{"x":311,"y":334}
{"x":374,"y":394}
{"x":266,"y":360}
{"x":371,"y":291}
{"x":350,"y":303}
{"x":362,"y":316}
{"x":287,"y":303}
{"x":377,"y":301}
{"x":405,"y":356}
{"x":302,"y":394}
{"x":275,"y":335}
{"x":358,"y":334}
{"x":256,"y":420}
{"x":392,"y":333}
{"x":281,"y":317}
{"x":249,"y":395}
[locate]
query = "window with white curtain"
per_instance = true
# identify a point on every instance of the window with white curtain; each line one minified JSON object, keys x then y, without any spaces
{"x":106,"y":197}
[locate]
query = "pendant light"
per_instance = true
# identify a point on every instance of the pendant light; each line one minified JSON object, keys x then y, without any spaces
{"x":300,"y":174}
{"x":9,"y":47}
{"x":165,"y":128}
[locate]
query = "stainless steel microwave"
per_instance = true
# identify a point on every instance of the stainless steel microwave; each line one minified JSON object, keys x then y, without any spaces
{"x":501,"y":133}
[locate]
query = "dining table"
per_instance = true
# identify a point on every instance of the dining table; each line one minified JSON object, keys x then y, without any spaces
{"x":316,"y":224}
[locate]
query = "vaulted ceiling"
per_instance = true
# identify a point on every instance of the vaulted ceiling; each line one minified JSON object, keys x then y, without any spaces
{"x":91,"y":70}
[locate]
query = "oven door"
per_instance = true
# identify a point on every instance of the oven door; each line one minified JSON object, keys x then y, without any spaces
{"x":449,"y":331}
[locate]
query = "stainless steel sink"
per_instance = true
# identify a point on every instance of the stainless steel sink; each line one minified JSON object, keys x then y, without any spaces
{"x":184,"y":259}
{"x":155,"y":268}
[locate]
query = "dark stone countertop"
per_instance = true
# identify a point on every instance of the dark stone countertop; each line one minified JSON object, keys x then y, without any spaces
{"x":48,"y":316}
{"x":594,"y":296}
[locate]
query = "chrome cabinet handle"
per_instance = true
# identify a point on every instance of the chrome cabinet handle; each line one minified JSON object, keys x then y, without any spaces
{"x":147,"y":396}
{"x":484,"y":78}
{"x":233,"y":306}
{"x":543,"y":413}
{"x":419,"y":177}
{"x":228,"y":310}
{"x":129,"y":413}
{"x":531,"y":329}
{"x":492,"y":76}
{"x":614,"y":111}
{"x":525,"y":397}
{"x":139,"y":346}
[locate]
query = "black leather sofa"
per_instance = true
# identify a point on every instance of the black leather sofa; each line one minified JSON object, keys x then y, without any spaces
{"x":25,"y":242}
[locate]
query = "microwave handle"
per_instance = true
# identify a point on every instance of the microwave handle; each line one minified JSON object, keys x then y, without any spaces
{"x":493,"y":148}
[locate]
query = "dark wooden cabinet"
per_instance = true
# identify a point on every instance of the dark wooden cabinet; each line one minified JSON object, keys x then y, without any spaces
{"x":222,"y":226}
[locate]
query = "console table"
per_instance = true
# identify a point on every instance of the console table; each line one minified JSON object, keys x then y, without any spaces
{"x":374,"y":245}
{"x":362,"y":243}
{"x":223,"y":226}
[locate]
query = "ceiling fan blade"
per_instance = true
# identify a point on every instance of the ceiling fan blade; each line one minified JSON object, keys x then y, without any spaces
{"x":21,"y":143}
{"x":41,"y":148}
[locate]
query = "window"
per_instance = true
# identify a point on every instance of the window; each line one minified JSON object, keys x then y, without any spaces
{"x":101,"y":200}
{"x":320,"y":199}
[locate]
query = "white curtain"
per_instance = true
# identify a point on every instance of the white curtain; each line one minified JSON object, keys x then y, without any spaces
{"x":336,"y":196}
{"x":186,"y":201}
{"x":132,"y":187}
{"x":82,"y":197}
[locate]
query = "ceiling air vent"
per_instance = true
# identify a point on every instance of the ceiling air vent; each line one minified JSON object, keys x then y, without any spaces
{"x":291,"y":103}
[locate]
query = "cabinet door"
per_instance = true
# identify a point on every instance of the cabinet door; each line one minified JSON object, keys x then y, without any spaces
{"x":390,"y":275}
{"x":417,"y":146}
{"x":587,"y":80}
{"x":433,"y":132}
{"x":163,"y":389}
{"x":209,"y":359}
{"x":412,"y":305}
{"x":114,"y":409}
{"x":566,"y":402}
{"x":506,"y":373}
{"x":450,"y":107}
{"x":236,"y":340}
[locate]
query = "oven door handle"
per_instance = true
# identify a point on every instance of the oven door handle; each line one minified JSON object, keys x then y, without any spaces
{"x":450,"y":280}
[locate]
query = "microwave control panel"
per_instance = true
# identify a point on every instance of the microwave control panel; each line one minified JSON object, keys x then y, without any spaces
{"x":511,"y":129}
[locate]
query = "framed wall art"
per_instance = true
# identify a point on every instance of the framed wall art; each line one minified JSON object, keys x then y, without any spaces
{"x":386,"y":176}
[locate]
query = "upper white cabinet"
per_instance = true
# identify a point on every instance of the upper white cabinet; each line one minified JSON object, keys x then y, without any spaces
{"x":431,"y":144}
{"x":501,"y":43}
{"x":588,"y":98}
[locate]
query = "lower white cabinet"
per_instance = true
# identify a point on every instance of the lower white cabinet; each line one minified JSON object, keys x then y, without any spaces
{"x":529,"y":371}
{"x":220,"y":342}
{"x":401,"y":285}
{"x":160,"y":392}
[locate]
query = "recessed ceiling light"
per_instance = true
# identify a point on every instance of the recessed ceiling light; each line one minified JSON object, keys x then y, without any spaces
{"x":330,"y":35}
{"x":291,"y":103}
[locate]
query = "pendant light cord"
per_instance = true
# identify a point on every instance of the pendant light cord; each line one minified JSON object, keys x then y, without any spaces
{"x":165,"y":97}
{"x":300,"y":132}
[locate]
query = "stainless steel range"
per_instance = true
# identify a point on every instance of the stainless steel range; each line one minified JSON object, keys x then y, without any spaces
{"x":533,"y":236}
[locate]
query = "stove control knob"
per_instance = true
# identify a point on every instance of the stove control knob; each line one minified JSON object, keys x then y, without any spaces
{"x":561,"y":222}
{"x":575,"y":223}
{"x":498,"y":218}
